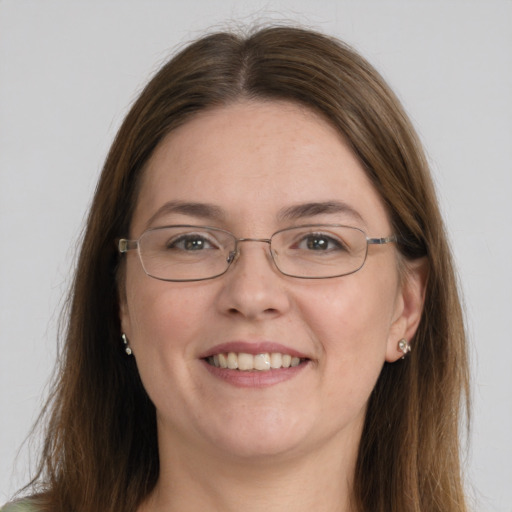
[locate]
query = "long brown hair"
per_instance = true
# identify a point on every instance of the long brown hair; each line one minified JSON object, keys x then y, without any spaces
{"x":100,"y":451}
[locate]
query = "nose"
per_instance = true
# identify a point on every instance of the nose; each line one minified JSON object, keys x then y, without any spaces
{"x":253,"y":287}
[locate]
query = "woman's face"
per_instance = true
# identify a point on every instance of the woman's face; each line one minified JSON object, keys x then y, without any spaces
{"x":246,"y":164}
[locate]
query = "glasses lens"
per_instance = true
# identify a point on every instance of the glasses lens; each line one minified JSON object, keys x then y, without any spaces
{"x":319,"y":251}
{"x":185,"y":253}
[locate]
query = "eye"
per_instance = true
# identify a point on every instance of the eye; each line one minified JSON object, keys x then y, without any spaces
{"x":192,"y":242}
{"x":320,"y":242}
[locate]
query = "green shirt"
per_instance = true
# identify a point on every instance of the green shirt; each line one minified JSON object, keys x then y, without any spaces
{"x":19,"y":506}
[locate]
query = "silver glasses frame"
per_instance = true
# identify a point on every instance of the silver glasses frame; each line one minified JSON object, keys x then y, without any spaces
{"x":124,"y":245}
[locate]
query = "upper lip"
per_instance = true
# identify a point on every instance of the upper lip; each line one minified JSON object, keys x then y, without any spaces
{"x":254,"y":348}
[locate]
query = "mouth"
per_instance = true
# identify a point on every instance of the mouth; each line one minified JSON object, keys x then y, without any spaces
{"x":245,"y":362}
{"x":254,"y":364}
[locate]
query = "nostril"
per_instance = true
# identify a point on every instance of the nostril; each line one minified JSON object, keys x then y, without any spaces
{"x":268,"y":311}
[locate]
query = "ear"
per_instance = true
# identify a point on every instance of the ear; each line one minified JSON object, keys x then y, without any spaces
{"x":409,"y":306}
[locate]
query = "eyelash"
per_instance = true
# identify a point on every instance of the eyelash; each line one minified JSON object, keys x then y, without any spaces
{"x":339,"y":245}
{"x":186,"y":237}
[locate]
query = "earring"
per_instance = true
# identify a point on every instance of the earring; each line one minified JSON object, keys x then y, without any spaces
{"x":404,"y":347}
{"x":127,"y":348}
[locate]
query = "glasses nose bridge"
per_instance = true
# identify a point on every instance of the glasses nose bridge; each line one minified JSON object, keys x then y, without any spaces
{"x":235,"y":254}
{"x":263,"y":240}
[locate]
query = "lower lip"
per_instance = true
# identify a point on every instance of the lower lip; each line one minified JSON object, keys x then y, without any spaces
{"x":256,"y":378}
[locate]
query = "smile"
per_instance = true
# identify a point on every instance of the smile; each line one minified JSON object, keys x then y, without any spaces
{"x":243,"y":361}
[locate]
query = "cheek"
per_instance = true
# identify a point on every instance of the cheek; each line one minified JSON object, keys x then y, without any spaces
{"x":166,"y":322}
{"x":351,"y":331}
{"x":350,"y":323}
{"x":163,"y":316}
{"x":348,"y":315}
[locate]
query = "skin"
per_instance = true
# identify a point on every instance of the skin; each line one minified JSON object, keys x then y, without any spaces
{"x":291,"y":445}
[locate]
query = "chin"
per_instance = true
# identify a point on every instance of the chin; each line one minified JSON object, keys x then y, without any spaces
{"x":261,"y":434}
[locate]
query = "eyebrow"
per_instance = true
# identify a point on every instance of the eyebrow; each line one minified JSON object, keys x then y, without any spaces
{"x":199,"y":210}
{"x":301,"y":211}
{"x":290,"y":213}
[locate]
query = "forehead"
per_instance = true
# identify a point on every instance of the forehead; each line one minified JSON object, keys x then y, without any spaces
{"x":254,"y":158}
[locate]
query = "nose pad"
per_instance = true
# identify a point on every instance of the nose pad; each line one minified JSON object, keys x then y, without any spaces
{"x":233,"y":256}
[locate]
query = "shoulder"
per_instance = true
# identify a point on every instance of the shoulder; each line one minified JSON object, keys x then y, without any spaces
{"x":24,"y":505}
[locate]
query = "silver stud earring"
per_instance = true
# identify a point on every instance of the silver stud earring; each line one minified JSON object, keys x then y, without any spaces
{"x":404,"y":347}
{"x":127,"y":348}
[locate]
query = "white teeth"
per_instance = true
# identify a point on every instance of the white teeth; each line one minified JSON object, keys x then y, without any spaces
{"x":247,"y":362}
{"x":276,"y":360}
{"x":232,"y":361}
{"x":262,"y":362}
{"x":223,"y":361}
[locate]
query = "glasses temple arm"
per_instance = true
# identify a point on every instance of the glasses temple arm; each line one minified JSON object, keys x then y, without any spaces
{"x":381,"y":241}
{"x":124,"y":245}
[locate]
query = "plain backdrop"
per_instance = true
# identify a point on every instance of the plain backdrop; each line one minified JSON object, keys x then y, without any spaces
{"x":69,"y":71}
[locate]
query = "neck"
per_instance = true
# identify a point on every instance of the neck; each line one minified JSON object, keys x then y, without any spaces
{"x":209,"y":482}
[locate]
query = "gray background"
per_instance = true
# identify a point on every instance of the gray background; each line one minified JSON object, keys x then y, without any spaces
{"x":70,"y":69}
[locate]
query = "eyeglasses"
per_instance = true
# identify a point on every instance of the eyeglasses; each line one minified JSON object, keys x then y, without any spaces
{"x":196,"y":253}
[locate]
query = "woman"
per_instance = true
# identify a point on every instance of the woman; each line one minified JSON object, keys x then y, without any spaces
{"x":263,"y":252}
